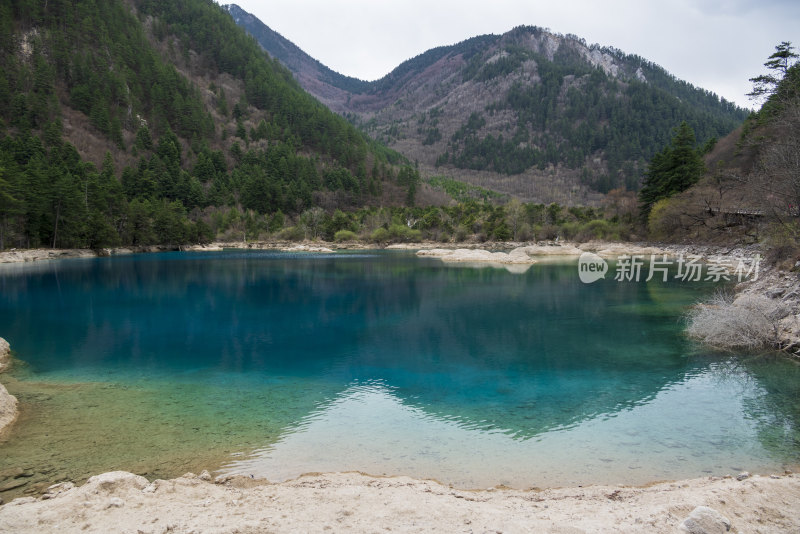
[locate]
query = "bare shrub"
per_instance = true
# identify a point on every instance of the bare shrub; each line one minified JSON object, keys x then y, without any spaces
{"x":744,"y":322}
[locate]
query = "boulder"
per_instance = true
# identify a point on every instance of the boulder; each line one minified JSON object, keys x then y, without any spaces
{"x":116,"y":482}
{"x":8,"y":409}
{"x":5,"y":354}
{"x":705,"y":520}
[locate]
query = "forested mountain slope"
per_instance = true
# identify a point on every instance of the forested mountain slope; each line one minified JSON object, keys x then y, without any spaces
{"x":530,"y":112}
{"x":141,"y":121}
{"x":751,"y":190}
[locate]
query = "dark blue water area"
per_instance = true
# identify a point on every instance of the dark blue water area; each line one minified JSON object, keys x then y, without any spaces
{"x":533,"y":356}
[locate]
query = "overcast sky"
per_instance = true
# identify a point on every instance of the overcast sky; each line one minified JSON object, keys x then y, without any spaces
{"x":714,"y":44}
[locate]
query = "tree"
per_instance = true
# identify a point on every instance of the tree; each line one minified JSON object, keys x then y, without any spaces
{"x":311,"y":220}
{"x":516,"y":213}
{"x":676,"y":168}
{"x":409,"y":177}
{"x":779,"y":63}
{"x":10,"y":204}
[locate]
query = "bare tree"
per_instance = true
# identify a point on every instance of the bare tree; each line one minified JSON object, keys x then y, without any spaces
{"x":516,"y":216}
{"x":311,"y":221}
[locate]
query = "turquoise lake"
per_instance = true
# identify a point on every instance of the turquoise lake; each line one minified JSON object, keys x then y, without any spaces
{"x":276,"y":364}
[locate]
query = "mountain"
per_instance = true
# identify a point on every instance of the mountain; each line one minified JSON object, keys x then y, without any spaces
{"x":309,"y":71}
{"x":536,"y":114}
{"x":139,"y":122}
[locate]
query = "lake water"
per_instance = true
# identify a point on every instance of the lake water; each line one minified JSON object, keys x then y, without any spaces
{"x":275,"y":364}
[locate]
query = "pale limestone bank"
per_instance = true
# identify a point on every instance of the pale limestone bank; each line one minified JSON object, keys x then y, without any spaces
{"x":303,"y":247}
{"x":5,"y":354}
{"x":465,"y":255}
{"x":211,"y":247}
{"x":8,"y":403}
{"x":529,"y":254}
{"x":348,"y":502}
{"x":38,"y":254}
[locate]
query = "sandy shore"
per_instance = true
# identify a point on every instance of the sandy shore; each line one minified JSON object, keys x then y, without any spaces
{"x":123,"y":502}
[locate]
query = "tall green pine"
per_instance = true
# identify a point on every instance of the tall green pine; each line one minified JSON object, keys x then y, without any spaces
{"x":673,"y":170}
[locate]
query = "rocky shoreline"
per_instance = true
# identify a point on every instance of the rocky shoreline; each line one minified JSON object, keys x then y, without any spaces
{"x":548,"y":248}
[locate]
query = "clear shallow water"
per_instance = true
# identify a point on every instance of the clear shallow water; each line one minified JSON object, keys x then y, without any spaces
{"x":276,"y":364}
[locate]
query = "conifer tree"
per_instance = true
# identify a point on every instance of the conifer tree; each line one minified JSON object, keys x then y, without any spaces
{"x":676,"y":168}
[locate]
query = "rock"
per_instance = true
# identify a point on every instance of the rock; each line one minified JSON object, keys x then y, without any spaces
{"x":222,"y":479}
{"x":213,"y":247}
{"x":57,"y":489}
{"x":434,"y":252}
{"x":12,"y":472}
{"x":519,"y":255}
{"x":205,"y":475}
{"x":5,"y":354}
{"x":306,"y":248}
{"x":705,"y":520}
{"x":116,"y":481}
{"x":775,"y":293}
{"x":8,"y":409}
{"x":743,"y":475}
{"x":114,"y":502}
{"x":14,"y":483}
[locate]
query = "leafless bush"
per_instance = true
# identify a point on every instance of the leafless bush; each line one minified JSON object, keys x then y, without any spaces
{"x":744,"y":322}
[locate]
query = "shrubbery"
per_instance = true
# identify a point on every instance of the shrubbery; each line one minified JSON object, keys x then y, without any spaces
{"x":745,"y":322}
{"x":396,"y":233}
{"x":345,"y":235}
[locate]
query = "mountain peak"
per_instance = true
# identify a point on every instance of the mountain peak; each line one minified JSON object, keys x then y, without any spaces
{"x":530,"y":112}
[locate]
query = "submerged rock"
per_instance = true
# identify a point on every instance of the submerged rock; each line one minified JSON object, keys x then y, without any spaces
{"x":14,"y":483}
{"x":12,"y":472}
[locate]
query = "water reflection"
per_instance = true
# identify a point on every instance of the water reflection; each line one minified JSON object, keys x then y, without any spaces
{"x":683,"y":431}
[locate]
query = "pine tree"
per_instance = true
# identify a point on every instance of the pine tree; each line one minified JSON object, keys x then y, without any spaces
{"x":676,"y":168}
{"x":779,"y":63}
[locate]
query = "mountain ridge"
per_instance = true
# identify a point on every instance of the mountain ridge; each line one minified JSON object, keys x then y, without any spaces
{"x":557,"y":118}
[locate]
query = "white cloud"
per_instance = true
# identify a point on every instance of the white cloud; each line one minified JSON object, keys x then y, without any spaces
{"x":713,"y":44}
